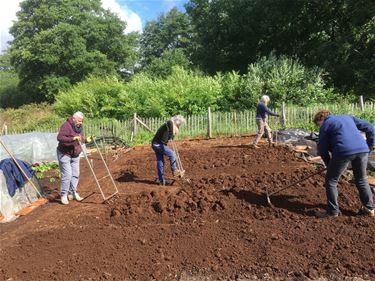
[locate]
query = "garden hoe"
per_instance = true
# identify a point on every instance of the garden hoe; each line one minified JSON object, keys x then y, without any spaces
{"x":179,"y":163}
{"x":269,"y":194}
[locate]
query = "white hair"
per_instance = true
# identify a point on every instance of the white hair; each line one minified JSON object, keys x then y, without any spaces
{"x":78,"y":114}
{"x":178,"y":120}
{"x":264,"y":99}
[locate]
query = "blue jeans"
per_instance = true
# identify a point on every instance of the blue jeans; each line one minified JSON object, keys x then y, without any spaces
{"x":160,"y":151}
{"x":69,"y":168}
{"x":335,"y":169}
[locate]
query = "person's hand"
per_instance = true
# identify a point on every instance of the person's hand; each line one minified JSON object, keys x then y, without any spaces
{"x":90,"y":139}
{"x":77,"y":138}
{"x":372,"y":148}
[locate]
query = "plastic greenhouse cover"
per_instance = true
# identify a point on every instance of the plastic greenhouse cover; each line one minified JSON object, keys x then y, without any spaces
{"x":9,"y":206}
{"x":32,"y":147}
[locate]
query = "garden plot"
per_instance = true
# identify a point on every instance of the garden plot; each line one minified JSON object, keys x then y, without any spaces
{"x":218,"y":226}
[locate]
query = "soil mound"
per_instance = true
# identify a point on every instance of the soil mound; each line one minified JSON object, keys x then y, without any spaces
{"x":217,"y":227}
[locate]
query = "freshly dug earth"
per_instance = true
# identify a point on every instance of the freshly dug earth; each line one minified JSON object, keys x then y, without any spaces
{"x":217,"y":227}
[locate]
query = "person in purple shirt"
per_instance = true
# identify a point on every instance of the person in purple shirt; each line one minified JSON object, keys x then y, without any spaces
{"x":261,"y":120}
{"x":70,"y":137}
{"x":341,"y":143}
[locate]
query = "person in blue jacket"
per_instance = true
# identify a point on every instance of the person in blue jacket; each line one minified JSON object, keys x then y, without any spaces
{"x":261,"y":120}
{"x":341,"y":143}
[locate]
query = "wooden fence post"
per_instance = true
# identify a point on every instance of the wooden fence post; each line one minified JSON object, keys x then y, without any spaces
{"x":134,"y":124}
{"x":209,"y":125}
{"x":283,"y":117}
{"x":361,"y":103}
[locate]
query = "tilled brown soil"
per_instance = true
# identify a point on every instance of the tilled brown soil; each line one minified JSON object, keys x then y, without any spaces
{"x":217,"y":227}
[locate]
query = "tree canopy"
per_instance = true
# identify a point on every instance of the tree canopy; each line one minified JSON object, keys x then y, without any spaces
{"x":337,"y":35}
{"x":166,"y":42}
{"x":59,"y":42}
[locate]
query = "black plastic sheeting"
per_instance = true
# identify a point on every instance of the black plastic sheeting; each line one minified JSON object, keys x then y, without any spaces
{"x":295,"y":136}
{"x":298,"y":137}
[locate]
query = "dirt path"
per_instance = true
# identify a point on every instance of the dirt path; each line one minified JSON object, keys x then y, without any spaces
{"x":218,"y":227}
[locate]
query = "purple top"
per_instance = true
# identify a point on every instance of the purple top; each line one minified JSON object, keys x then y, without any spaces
{"x":67,"y":145}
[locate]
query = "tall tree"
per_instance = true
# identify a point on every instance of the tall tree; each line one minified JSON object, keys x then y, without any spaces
{"x":337,"y":35}
{"x":166,"y":42}
{"x":59,"y":42}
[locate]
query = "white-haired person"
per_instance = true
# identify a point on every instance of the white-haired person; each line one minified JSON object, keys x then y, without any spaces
{"x":70,"y":137}
{"x":166,"y":132}
{"x":261,"y":120}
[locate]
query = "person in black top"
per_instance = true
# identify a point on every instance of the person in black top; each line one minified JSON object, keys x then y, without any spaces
{"x":166,"y":132}
{"x":261,"y":120}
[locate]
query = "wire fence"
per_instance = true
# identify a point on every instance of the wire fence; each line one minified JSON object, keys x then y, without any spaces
{"x":212,"y":124}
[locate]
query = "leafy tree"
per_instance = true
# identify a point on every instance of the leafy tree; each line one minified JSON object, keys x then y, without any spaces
{"x":162,"y":67}
{"x":336,"y":35}
{"x":166,"y":41}
{"x":9,"y":93}
{"x":60,"y":42}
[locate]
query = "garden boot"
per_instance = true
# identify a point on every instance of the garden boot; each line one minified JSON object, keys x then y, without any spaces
{"x":166,"y":183}
{"x":77,"y":197}
{"x":64,"y":200}
{"x":366,"y":212}
{"x":326,"y":214}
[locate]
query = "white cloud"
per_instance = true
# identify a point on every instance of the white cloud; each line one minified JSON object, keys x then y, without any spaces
{"x":170,"y":4}
{"x":9,"y":9}
{"x":133,"y":20}
{"x":7,"y":16}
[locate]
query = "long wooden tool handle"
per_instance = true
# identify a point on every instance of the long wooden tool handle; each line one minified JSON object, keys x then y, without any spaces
{"x":297,"y":182}
{"x":19,"y":167}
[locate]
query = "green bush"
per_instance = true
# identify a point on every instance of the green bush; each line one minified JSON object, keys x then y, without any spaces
{"x":31,"y":117}
{"x":96,"y":98}
{"x":181,"y":92}
{"x":284,"y":80}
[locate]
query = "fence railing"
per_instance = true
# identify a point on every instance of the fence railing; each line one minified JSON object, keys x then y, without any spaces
{"x":213,"y":124}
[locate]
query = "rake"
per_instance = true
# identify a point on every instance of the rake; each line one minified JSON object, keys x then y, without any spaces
{"x":179,"y":163}
{"x":94,"y":175}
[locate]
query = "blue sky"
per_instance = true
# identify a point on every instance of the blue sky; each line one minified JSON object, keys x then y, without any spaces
{"x":152,"y":9}
{"x":135,"y":12}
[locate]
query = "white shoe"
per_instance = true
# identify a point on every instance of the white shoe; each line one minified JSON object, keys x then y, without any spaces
{"x":77,"y":197}
{"x":366,"y":212}
{"x":64,"y":200}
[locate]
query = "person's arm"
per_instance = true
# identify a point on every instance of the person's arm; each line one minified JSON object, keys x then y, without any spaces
{"x":170,"y":130}
{"x":269,"y":112}
{"x":323,"y":144}
{"x":64,"y":137}
{"x":368,"y":129}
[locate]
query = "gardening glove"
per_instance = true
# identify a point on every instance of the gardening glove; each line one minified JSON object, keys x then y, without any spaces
{"x":90,"y":139}
{"x":77,"y":138}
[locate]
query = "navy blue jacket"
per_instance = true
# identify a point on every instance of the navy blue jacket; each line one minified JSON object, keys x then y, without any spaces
{"x":340,"y":135}
{"x":263,"y":110}
{"x":13,"y":176}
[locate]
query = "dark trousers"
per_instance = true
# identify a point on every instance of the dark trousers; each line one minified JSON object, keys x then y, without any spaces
{"x":336,"y":167}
